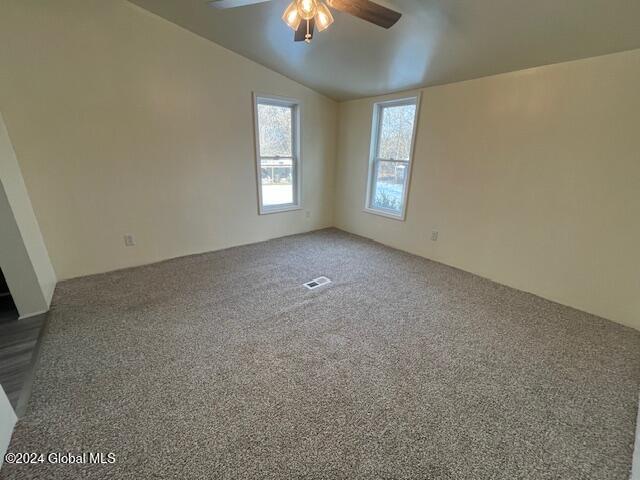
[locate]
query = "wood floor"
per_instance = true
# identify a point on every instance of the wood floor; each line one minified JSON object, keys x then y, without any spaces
{"x":18,"y":340}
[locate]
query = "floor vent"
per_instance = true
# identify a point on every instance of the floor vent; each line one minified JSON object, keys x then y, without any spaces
{"x":317,"y":282}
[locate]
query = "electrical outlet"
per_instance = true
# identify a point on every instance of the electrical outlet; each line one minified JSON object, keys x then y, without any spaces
{"x":307,"y":214}
{"x":129,"y":240}
{"x":434,"y":236}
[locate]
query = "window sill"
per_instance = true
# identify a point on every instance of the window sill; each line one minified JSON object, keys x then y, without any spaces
{"x":399,"y":217}
{"x":279,"y":209}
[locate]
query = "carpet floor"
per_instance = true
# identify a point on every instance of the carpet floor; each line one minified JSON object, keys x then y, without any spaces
{"x":222,"y":365}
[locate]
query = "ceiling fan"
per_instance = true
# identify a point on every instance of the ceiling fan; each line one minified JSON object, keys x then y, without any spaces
{"x":304,"y":16}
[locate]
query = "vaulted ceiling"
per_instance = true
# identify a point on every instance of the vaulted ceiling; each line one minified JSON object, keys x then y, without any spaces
{"x":435,"y":41}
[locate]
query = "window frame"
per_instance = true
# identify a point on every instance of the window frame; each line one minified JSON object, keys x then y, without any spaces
{"x":296,"y":134}
{"x":374,"y":160}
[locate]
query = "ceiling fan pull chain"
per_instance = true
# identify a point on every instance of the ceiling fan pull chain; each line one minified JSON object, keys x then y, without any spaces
{"x":307,"y":37}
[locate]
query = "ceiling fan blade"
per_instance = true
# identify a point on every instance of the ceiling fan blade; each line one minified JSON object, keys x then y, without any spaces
{"x":222,"y":4}
{"x":367,"y":10}
{"x":302,"y":30}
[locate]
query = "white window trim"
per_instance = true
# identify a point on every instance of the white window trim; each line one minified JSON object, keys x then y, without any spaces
{"x":297,"y":160}
{"x":375,"y":134}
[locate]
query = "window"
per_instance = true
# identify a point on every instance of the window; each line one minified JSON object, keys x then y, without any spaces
{"x":392,"y":137}
{"x":277,"y":125}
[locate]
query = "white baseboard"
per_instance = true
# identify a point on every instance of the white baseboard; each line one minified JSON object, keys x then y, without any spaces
{"x":34,"y":314}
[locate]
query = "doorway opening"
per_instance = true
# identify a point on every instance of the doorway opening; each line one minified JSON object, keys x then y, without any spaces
{"x":8,"y":310}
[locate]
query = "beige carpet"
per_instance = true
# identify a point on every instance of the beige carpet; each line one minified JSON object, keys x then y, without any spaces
{"x":223,"y":366}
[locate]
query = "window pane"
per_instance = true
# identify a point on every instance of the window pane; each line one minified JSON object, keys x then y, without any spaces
{"x":274,"y":124}
{"x":396,"y":130}
{"x":388,"y":186}
{"x":276,"y":181}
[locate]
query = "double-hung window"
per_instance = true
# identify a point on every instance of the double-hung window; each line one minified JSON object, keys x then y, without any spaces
{"x":277,"y":127}
{"x":392,"y":139}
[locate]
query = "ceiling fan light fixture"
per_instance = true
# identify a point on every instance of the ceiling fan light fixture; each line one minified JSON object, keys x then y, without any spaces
{"x":291,"y":16}
{"x":307,"y":9}
{"x":323,"y":17}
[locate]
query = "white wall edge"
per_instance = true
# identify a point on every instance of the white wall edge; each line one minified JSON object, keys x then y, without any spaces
{"x":48,"y":294}
{"x":635,"y":466}
{"x":8,"y":421}
{"x":26,"y":264}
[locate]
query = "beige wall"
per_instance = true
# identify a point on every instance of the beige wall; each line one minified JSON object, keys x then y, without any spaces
{"x":23,"y":255}
{"x":125,"y":123}
{"x":532,"y":179}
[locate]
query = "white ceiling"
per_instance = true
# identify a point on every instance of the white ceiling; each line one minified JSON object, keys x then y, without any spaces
{"x":435,"y":41}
